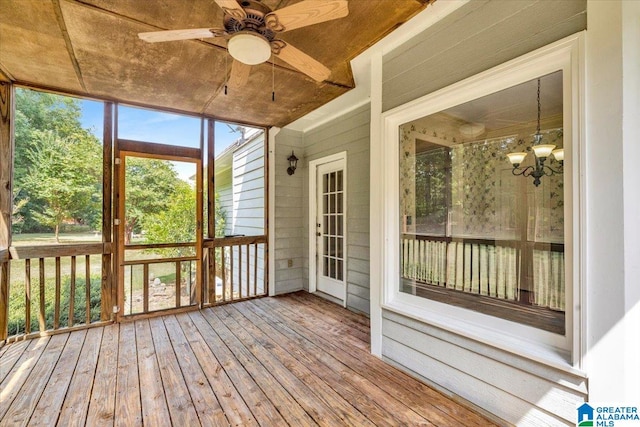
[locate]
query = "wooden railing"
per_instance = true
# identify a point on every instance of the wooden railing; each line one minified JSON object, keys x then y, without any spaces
{"x":236,"y":268}
{"x":527,"y":272}
{"x":155,"y":292}
{"x":48,"y":293}
{"x":65,"y":287}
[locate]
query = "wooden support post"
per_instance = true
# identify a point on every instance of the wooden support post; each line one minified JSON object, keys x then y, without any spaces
{"x":224,"y":273}
{"x":27,"y":296}
{"x":178,"y":287}
{"x":106,"y":301}
{"x":211,"y":208}
{"x":72,"y":292}
{"x":145,"y":288}
{"x":239,"y":271}
{"x":6,"y":197}
{"x":41,"y":314}
{"x":266,"y":213}
{"x":255,"y":269}
{"x":87,"y":287}
{"x":56,"y":312}
{"x":232,"y":255}
{"x":248,"y":272}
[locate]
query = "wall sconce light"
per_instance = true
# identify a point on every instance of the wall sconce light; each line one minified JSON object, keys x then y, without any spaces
{"x":540,"y":153}
{"x":293,"y":163}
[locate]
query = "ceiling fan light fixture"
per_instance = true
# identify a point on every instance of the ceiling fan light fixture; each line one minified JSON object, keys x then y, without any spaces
{"x":249,"y":48}
{"x":472,"y":130}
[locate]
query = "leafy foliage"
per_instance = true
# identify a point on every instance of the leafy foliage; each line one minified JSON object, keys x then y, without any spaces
{"x":16,"y":303}
{"x":150,"y":186}
{"x":177,"y":224}
{"x":52,"y":154}
{"x":61,"y":181}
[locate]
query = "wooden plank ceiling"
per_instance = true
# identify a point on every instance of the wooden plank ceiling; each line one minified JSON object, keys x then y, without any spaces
{"x":91,"y":47}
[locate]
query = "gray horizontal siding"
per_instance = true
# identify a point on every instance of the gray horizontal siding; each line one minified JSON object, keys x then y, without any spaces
{"x":512,"y":387}
{"x":478,"y":36}
{"x":288,"y":221}
{"x":348,"y":133}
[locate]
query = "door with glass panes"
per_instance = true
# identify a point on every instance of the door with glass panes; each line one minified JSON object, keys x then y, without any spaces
{"x":330,"y":229}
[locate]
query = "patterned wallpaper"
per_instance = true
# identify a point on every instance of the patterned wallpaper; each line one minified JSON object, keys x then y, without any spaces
{"x":487,"y":201}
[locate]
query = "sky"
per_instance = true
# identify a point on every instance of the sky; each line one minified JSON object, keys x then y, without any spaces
{"x":160,"y":127}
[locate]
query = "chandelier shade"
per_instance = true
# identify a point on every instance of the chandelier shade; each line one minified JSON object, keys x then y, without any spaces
{"x":540,"y":152}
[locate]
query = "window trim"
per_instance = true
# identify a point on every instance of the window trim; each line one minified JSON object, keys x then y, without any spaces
{"x":565,"y":351}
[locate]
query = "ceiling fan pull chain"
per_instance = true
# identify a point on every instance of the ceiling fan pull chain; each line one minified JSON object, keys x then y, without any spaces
{"x":226,"y":73}
{"x":273,"y":79}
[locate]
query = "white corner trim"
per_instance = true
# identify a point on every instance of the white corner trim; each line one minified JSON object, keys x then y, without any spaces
{"x":376,"y":213}
{"x":271,"y":241}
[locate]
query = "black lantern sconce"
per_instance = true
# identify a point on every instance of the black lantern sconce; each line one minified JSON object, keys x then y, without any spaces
{"x":293,"y":164}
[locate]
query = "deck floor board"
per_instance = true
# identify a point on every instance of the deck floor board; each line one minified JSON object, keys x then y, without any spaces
{"x":292,"y":360}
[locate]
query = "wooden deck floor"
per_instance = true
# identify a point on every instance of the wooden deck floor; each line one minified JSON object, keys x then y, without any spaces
{"x":294,"y":360}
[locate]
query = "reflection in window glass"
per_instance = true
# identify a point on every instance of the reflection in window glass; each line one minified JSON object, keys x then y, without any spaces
{"x":472,"y":225}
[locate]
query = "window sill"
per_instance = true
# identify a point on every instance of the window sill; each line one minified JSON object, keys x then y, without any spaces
{"x":482,"y":328}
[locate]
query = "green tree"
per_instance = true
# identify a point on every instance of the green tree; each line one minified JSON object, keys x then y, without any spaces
{"x":149,"y":186}
{"x":176,"y":223}
{"x":58,"y":178}
{"x":38,"y":113}
{"x":16,"y":216}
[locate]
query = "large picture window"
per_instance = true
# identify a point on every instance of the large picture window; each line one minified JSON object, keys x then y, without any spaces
{"x":481,"y":202}
{"x":475,"y":232}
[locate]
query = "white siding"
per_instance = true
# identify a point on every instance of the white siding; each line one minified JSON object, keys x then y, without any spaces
{"x":225,"y":198}
{"x":242,"y":196}
{"x":248,"y":189}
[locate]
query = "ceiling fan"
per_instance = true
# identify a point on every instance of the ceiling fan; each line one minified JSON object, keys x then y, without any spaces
{"x":251,"y":27}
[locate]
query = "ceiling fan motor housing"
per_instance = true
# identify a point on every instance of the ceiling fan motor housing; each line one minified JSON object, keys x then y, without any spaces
{"x":253,"y":22}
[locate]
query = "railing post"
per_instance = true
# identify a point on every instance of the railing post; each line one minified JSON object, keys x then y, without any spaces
{"x":6,"y":160}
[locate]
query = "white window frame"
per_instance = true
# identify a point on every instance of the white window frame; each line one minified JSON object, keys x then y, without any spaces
{"x":561,"y":351}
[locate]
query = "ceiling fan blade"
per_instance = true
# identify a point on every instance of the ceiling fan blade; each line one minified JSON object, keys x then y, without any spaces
{"x":303,"y":62}
{"x":239,"y":75}
{"x":170,"y":35}
{"x":305,"y":13}
{"x":232,"y":8}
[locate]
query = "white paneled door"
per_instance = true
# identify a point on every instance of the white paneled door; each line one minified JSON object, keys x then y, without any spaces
{"x":331,"y":228}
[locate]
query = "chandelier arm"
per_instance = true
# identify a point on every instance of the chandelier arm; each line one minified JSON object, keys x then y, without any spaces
{"x":548,"y":171}
{"x":517,"y":171}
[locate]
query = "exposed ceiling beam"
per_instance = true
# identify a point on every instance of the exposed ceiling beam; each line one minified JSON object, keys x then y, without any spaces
{"x":65,"y":34}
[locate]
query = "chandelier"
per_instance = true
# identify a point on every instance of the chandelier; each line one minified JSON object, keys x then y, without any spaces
{"x":540,"y":152}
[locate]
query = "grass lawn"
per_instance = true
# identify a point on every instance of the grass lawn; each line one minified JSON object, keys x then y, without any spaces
{"x":40,"y":239}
